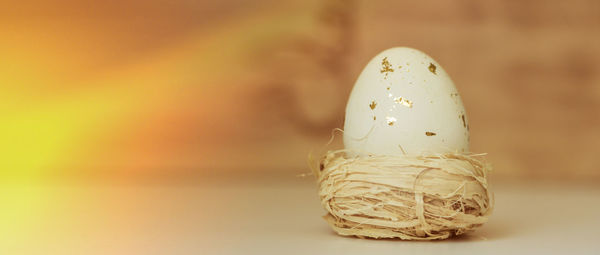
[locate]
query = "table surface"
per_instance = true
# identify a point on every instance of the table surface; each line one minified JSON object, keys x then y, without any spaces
{"x":275,"y":216}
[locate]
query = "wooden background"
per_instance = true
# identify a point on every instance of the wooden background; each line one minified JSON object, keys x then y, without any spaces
{"x":249,"y":88}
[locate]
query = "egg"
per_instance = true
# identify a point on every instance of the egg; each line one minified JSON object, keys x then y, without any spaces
{"x":404,"y":103}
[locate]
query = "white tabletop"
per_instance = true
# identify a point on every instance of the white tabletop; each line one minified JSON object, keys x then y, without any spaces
{"x":272,"y":216}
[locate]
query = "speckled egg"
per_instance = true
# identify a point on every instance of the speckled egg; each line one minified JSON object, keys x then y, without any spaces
{"x":404,"y":103}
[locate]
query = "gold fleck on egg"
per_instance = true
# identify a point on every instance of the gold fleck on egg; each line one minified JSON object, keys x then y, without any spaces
{"x":390,"y":120}
{"x":373,"y":105}
{"x":386,"y":67}
{"x":432,"y":68}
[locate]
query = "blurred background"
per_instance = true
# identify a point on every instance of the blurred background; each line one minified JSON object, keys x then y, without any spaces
{"x":138,"y":90}
{"x":177,"y":127}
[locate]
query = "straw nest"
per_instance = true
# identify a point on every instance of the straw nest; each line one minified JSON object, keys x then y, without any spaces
{"x":406,"y":197}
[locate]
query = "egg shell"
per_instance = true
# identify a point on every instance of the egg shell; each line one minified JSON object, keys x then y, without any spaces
{"x":404,"y":103}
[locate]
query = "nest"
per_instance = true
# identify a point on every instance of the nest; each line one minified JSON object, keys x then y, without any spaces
{"x":406,"y":197}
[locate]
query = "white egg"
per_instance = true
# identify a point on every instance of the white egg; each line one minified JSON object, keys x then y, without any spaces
{"x":404,"y":103}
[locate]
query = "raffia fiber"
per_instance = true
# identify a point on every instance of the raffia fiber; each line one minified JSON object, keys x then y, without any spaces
{"x":406,"y":197}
